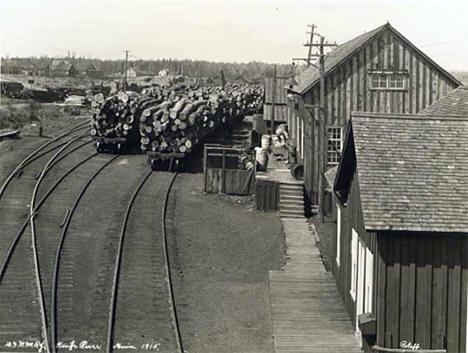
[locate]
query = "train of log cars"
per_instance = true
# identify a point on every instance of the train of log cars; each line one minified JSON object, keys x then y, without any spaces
{"x":169,"y":123}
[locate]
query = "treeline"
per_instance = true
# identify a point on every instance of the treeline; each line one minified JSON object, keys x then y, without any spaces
{"x":196,"y":68}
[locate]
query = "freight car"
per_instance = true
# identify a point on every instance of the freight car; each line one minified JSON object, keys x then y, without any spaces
{"x":10,"y":88}
{"x":168,"y":124}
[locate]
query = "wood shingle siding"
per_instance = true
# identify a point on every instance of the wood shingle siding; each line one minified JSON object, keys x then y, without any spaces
{"x":401,"y":187}
{"x":454,"y":103}
{"x":419,"y":178}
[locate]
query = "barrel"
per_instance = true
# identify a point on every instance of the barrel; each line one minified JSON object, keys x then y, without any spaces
{"x":266,"y":141}
{"x":262,"y":159}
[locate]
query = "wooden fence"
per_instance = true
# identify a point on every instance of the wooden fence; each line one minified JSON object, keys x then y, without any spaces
{"x":222,"y":170}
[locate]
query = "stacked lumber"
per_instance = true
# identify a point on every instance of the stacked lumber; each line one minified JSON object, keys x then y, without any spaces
{"x":173,"y":120}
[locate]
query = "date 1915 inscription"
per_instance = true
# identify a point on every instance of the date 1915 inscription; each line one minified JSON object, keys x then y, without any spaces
{"x":80,"y":345}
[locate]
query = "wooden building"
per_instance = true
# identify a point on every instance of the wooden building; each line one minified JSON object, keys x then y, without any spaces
{"x":401,"y":245}
{"x":88,"y":69}
{"x":378,"y":71}
{"x":61,"y":68}
{"x":281,"y":107}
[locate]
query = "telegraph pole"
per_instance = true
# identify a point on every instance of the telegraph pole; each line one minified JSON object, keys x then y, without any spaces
{"x":322,"y":148}
{"x":309,"y":55}
{"x":323,"y":128}
{"x":125,"y":70}
{"x":273,"y":102}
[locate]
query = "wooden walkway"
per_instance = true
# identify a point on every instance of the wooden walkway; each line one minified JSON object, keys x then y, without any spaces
{"x":308,"y":313}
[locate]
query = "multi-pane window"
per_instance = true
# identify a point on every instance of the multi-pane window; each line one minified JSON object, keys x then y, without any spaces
{"x":334,"y":145}
{"x":388,"y":80}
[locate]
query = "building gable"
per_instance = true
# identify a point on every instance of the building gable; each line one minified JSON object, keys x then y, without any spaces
{"x":412,"y":171}
{"x":348,"y":50}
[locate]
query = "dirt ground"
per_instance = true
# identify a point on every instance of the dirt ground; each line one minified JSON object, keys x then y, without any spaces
{"x":27,"y":115}
{"x":222,"y":249}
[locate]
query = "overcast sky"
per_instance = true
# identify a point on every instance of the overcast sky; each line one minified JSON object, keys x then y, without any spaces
{"x":270,"y":31}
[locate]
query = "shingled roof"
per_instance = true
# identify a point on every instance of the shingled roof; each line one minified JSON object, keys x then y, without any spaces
{"x":454,"y":103}
{"x":311,"y":76}
{"x":412,"y":171}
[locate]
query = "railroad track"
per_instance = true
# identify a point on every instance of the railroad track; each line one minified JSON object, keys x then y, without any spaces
{"x":18,"y":317}
{"x":35,"y":285}
{"x":57,"y":157}
{"x":39,"y":152}
{"x":135,"y":263}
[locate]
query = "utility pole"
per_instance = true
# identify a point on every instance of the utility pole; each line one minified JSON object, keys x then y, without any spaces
{"x":322,"y":148}
{"x":125,"y":70}
{"x":273,"y":102}
{"x":323,"y":128}
{"x":309,"y":55}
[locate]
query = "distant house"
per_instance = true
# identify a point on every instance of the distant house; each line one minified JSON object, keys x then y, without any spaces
{"x":29,"y":70}
{"x":401,"y":244}
{"x":131,"y":73}
{"x":88,"y":69}
{"x":62,"y":68}
{"x":11,"y":66}
{"x":43,"y":69}
{"x":163,"y":72}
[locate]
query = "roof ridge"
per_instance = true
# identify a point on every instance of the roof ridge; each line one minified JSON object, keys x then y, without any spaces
{"x":434,"y":116}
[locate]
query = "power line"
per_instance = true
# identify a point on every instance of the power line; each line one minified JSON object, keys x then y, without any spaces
{"x":446,"y":42}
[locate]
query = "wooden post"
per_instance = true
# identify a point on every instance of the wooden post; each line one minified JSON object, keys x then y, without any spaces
{"x":322,"y":143}
{"x":126,"y":68}
{"x":309,"y":56}
{"x":273,"y":102}
{"x":205,"y":161}
{"x":223,"y":173}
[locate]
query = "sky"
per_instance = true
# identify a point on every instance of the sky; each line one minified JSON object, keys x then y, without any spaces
{"x":228,"y":31}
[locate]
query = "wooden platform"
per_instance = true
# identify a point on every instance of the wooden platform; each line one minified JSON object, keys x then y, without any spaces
{"x":277,"y":171}
{"x":308,"y":313}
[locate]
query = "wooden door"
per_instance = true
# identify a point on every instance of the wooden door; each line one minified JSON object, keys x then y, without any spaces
{"x":360,"y":290}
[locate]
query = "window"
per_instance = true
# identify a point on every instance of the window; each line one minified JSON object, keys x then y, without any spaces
{"x":369,"y":281}
{"x":338,"y":234}
{"x":354,"y":263}
{"x":334,"y":145}
{"x":388,"y":80}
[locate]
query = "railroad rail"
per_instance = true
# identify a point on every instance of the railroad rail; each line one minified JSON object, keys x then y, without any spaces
{"x":63,"y":234}
{"x":32,"y":213}
{"x":32,"y":156}
{"x":175,"y":319}
{"x":118,"y":264}
{"x":58,"y":156}
{"x":63,"y":150}
{"x":15,"y":240}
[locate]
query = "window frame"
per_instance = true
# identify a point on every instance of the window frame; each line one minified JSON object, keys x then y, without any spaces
{"x":331,"y":139}
{"x":388,"y":75}
{"x":369,"y":282}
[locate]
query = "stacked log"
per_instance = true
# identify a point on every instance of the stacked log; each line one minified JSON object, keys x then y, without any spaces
{"x":115,"y":116}
{"x":169,"y":120}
